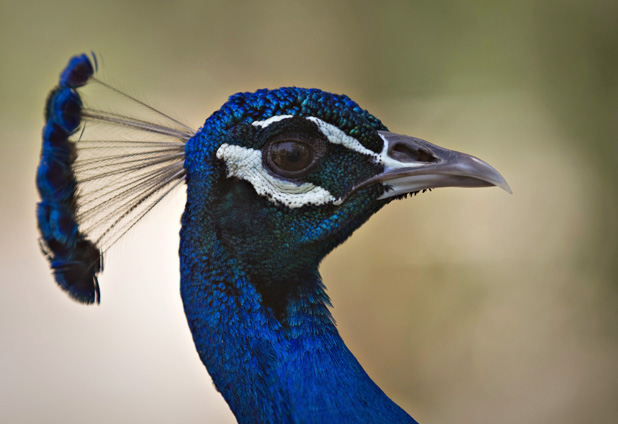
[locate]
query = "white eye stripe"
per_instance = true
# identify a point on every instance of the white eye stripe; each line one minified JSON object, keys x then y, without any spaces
{"x":336,"y":136}
{"x":246,"y":164}
{"x":331,"y":132}
{"x":272,"y":119}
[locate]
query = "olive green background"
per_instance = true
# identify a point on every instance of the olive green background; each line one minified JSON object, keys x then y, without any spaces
{"x":465,"y":305}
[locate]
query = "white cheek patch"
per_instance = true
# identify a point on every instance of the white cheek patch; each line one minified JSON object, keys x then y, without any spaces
{"x":246,"y":164}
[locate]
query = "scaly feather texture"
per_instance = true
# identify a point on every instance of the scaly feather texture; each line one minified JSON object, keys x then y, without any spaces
{"x":253,"y":297}
{"x":275,"y":180}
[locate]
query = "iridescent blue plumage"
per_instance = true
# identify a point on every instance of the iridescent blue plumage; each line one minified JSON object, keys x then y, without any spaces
{"x":93,"y":190}
{"x":275,"y":180}
{"x":249,"y":281}
{"x":74,"y":259}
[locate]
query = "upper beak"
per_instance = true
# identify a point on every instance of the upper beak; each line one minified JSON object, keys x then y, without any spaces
{"x":412,"y":164}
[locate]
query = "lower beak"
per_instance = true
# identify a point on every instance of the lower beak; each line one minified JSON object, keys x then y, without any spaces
{"x":412,"y":164}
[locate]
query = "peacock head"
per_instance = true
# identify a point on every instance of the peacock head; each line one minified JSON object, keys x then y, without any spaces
{"x":279,"y":177}
{"x":286,"y":175}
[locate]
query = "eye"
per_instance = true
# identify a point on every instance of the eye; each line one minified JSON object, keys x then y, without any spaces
{"x":290,"y":158}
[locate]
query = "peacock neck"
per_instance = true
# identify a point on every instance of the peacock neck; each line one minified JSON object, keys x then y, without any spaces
{"x":270,"y":368}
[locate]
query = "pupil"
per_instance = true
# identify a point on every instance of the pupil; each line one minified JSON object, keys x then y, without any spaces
{"x":295,"y":153}
{"x":291,"y":156}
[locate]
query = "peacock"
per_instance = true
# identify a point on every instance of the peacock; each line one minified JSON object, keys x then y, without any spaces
{"x":275,"y":179}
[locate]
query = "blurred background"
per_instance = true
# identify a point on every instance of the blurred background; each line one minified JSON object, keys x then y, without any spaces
{"x":466,"y":306}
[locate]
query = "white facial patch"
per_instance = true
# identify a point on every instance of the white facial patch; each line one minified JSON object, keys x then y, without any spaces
{"x":246,"y":164}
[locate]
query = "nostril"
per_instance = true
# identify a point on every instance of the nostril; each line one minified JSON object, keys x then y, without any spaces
{"x":405,"y":153}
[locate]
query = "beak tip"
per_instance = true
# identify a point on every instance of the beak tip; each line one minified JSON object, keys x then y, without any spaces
{"x":489,"y":174}
{"x":409,"y":172}
{"x":499,"y":181}
{"x":505,"y":186}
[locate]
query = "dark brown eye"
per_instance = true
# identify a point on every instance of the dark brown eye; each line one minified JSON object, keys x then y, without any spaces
{"x":290,"y":157}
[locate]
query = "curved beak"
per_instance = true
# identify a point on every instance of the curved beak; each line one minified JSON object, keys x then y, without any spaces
{"x":412,"y":164}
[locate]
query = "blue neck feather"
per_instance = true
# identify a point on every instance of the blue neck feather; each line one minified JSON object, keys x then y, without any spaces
{"x":269,"y":372}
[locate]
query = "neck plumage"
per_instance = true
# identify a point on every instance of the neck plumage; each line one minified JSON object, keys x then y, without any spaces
{"x":269,"y":369}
